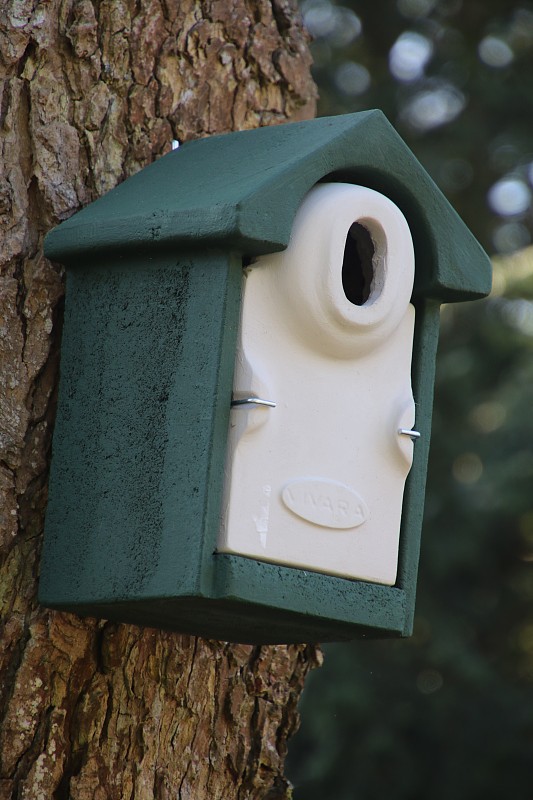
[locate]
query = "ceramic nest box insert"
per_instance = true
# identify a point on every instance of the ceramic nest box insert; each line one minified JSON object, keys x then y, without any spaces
{"x":246,"y":385}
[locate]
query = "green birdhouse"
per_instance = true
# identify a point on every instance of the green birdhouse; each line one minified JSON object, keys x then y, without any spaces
{"x":246,"y":385}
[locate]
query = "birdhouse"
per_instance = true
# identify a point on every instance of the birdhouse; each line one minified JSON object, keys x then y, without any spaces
{"x":246,"y":385}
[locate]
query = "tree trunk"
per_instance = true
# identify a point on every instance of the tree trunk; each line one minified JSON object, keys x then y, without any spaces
{"x":94,"y":90}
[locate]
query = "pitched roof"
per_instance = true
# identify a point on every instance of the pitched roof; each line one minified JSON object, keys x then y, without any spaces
{"x":240,"y":191}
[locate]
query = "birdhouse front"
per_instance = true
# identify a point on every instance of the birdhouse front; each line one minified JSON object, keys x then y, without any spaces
{"x":246,"y":385}
{"x":321,"y":437}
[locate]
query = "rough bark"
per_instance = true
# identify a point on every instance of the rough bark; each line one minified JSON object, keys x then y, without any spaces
{"x":94,"y":90}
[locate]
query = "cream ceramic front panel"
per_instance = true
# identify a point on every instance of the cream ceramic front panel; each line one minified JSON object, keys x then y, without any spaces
{"x":317,"y":481}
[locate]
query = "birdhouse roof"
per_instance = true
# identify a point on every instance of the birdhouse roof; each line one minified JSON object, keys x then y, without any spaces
{"x":240,"y":192}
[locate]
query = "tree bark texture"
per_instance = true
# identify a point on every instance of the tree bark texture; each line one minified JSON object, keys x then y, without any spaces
{"x":94,"y":90}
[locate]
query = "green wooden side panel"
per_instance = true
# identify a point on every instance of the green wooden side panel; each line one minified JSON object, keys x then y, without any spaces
{"x":140,"y":438}
{"x":423,"y":381}
{"x":241,"y":191}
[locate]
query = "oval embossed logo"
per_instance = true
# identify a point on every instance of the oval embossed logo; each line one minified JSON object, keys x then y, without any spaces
{"x":325,"y":502}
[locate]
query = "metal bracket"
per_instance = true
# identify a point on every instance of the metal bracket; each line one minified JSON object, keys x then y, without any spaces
{"x":252,"y":401}
{"x":406,"y":432}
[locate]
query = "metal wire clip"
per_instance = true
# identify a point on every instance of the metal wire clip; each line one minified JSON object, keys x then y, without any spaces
{"x":252,"y":401}
{"x":406,"y":432}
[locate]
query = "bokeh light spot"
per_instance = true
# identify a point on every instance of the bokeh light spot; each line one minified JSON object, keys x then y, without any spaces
{"x":416,"y":8}
{"x":432,"y":108}
{"x":409,"y":55}
{"x":467,"y":468}
{"x":510,"y":236}
{"x":518,"y":313}
{"x":488,"y":417}
{"x":338,"y":25}
{"x":352,"y":79}
{"x":495,"y":52}
{"x":509,"y":196}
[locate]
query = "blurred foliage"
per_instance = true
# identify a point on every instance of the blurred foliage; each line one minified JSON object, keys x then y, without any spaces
{"x":449,"y":712}
{"x":455,"y":79}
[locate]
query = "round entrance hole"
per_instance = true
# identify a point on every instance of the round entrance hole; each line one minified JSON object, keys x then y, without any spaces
{"x":357,"y":265}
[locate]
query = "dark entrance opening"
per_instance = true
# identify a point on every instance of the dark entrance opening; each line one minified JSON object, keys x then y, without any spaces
{"x":357,"y":265}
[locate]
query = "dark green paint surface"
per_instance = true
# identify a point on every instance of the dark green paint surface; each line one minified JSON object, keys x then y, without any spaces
{"x":139,"y":446}
{"x":152,"y":311}
{"x":241,"y":191}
